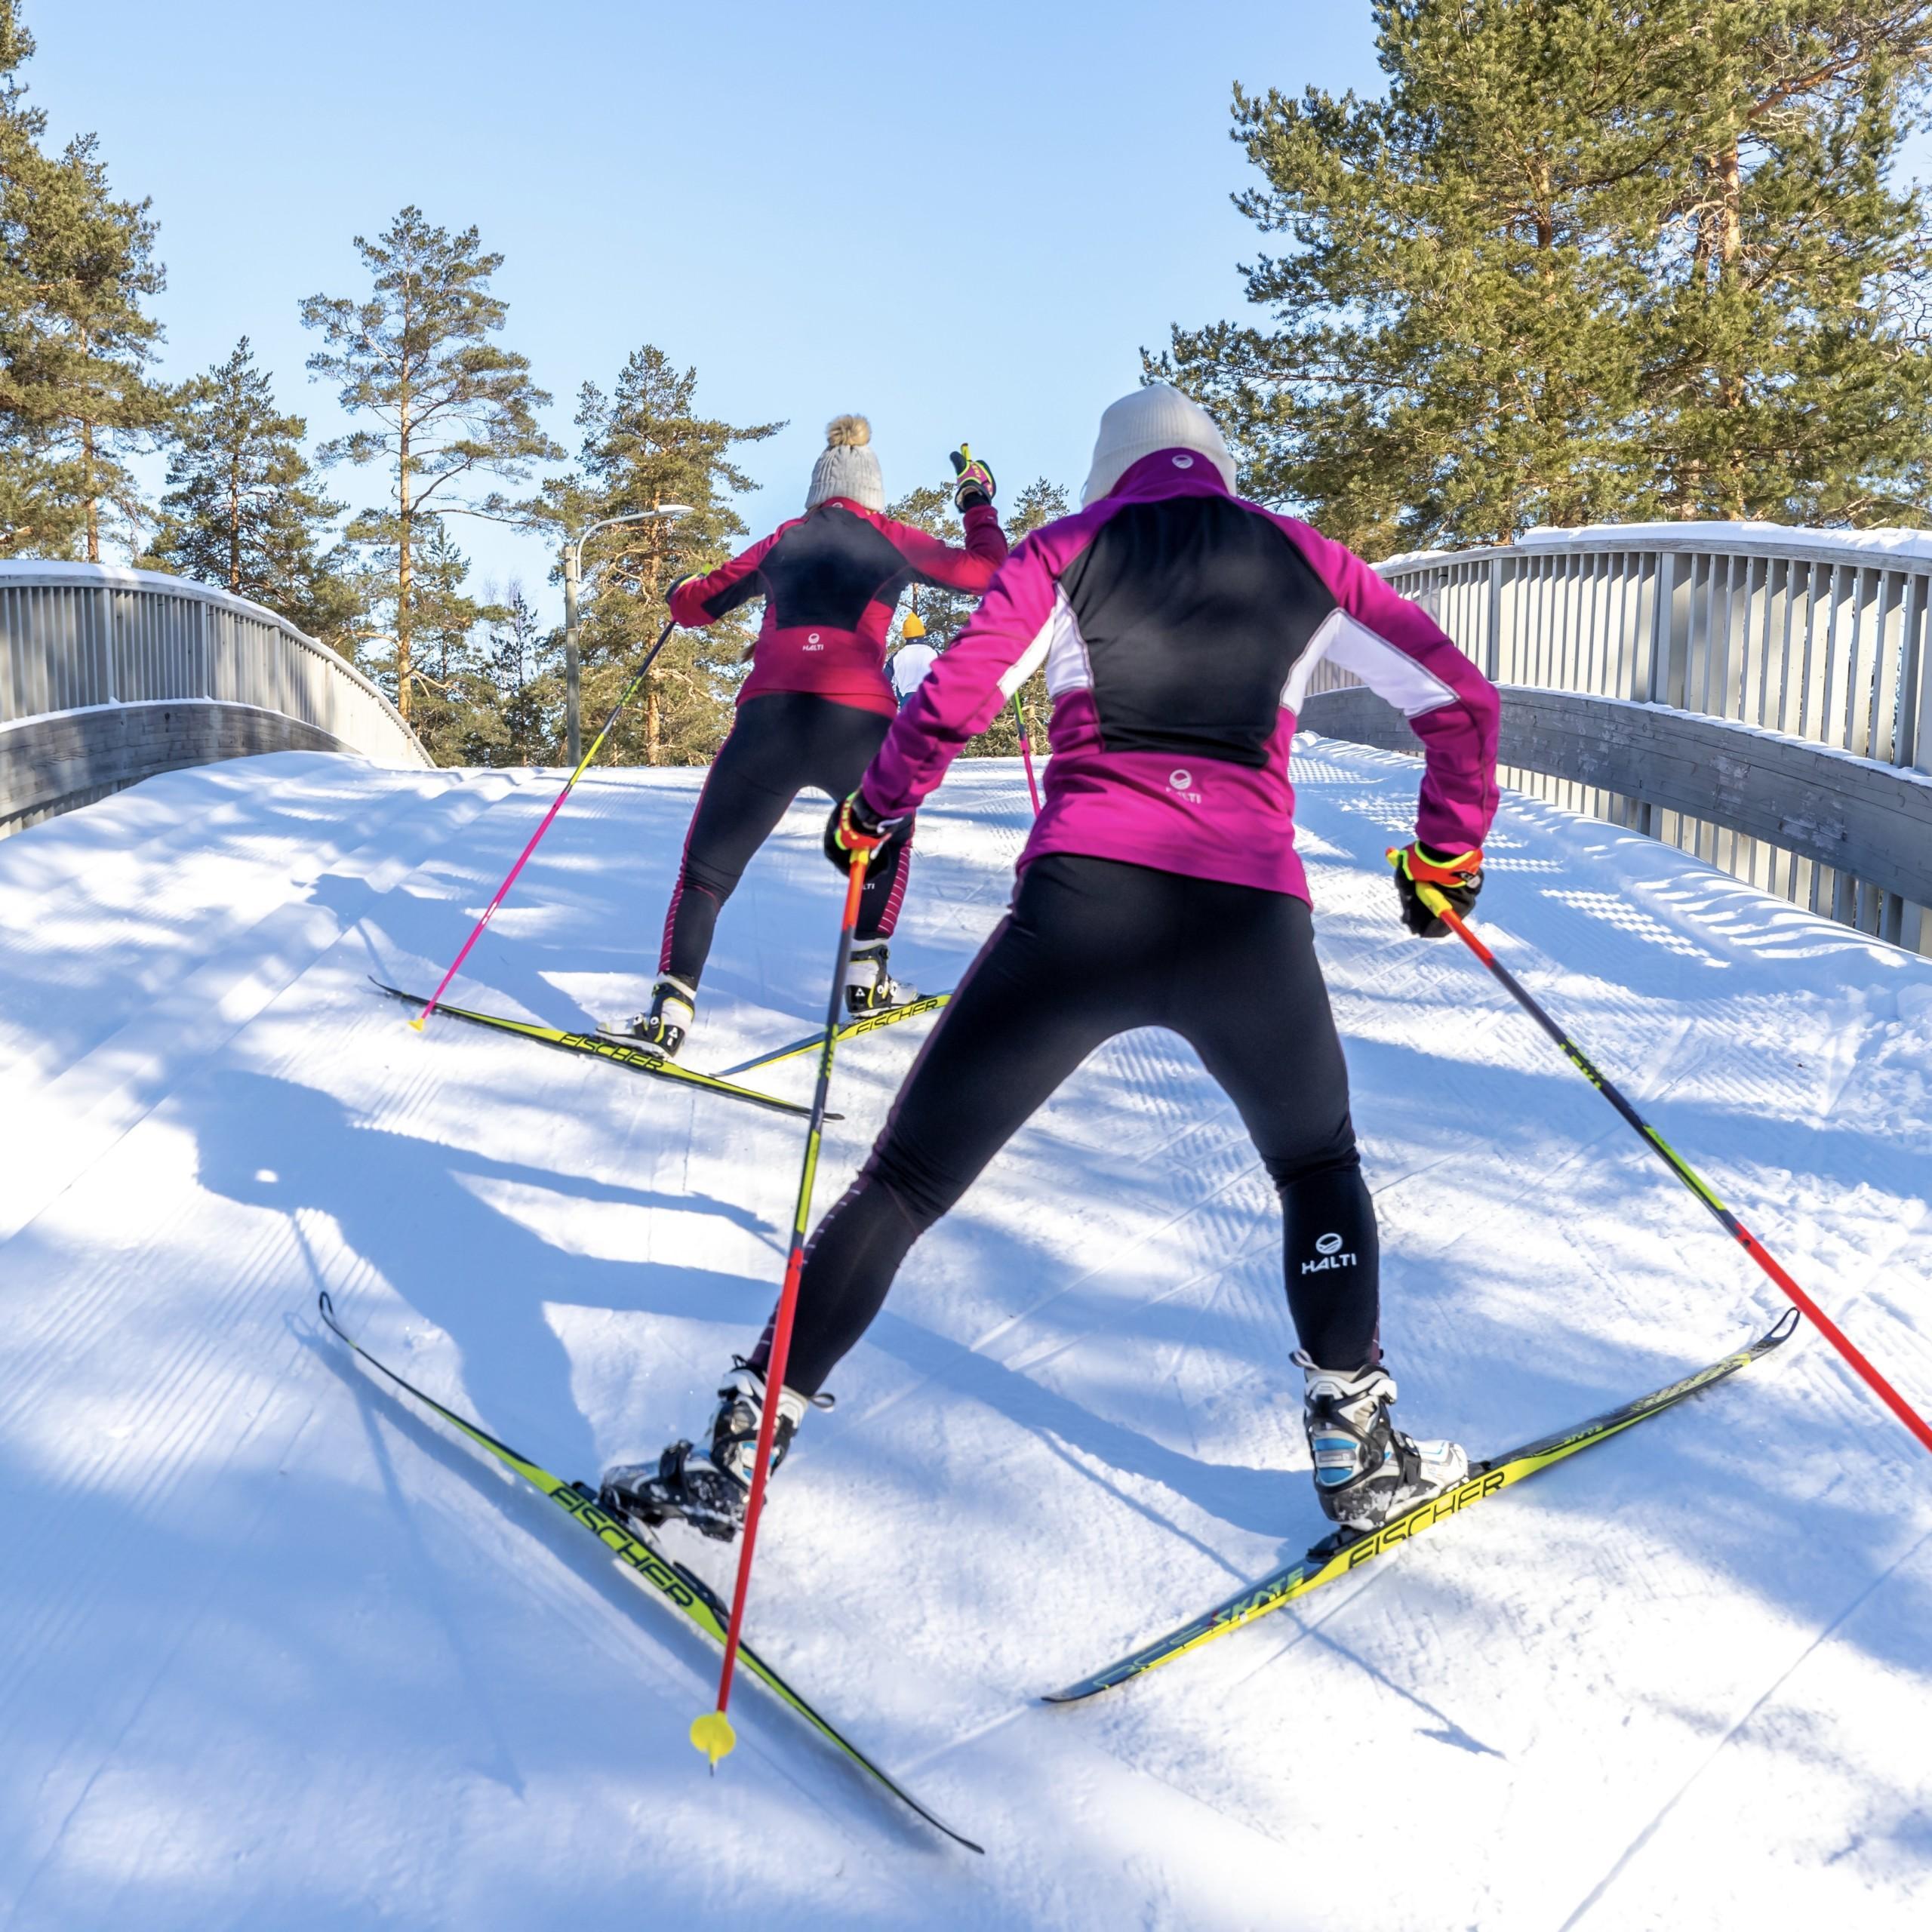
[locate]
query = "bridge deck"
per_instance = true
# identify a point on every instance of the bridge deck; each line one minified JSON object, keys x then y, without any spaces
{"x":273,"y":1653}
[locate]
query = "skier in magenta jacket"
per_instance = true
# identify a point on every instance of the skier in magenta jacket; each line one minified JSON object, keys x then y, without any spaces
{"x":817,"y":705}
{"x":1178,"y":627}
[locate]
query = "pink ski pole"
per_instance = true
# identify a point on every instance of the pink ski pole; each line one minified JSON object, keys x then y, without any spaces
{"x":1026,"y":752}
{"x":557,"y":805}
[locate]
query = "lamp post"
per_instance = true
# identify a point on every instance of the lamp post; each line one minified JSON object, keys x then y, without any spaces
{"x":573,"y":565}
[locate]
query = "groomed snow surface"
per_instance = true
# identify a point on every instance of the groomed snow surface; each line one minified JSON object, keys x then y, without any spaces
{"x":276,"y":1654}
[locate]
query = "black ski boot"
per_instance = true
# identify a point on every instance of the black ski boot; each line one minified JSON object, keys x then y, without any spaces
{"x":660,"y":1030}
{"x":709,"y":1491}
{"x":869,"y":986}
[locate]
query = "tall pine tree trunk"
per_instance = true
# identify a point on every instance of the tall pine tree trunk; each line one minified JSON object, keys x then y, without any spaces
{"x":1714,"y":480}
{"x":1555,"y":380}
{"x":235,"y":527}
{"x":1731,"y":382}
{"x":654,"y":712}
{"x":92,"y":501}
{"x":404,"y":562}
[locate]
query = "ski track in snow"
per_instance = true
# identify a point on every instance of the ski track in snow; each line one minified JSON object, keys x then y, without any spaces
{"x":275,"y":1651}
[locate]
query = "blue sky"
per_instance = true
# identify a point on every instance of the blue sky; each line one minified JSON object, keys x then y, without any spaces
{"x":963,"y":220}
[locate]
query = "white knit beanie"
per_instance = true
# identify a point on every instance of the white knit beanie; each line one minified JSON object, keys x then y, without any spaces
{"x":1156,"y":418}
{"x":847,"y":468}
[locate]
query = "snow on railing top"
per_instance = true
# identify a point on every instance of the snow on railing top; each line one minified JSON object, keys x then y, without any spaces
{"x":1818,"y":634}
{"x":74,"y":636}
{"x":1890,"y":545}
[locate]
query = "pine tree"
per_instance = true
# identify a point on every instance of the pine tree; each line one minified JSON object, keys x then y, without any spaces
{"x":944,"y":613}
{"x":32,"y":515}
{"x":1039,"y":502}
{"x":1588,"y":259}
{"x":75,"y":342}
{"x":448,"y":406}
{"x":644,"y":445}
{"x":928,"y":506}
{"x":1784,"y":373}
{"x":523,"y":664}
{"x":455,"y":714}
{"x":242,"y":509}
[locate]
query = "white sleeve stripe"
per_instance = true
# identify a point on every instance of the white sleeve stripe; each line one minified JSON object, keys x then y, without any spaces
{"x":1294,"y":692}
{"x":1029,"y":661}
{"x":1067,"y":667}
{"x":1408,"y":685}
{"x":1049,"y":648}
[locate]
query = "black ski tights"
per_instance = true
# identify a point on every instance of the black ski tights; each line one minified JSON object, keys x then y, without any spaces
{"x":1092,"y":949}
{"x":779,"y":744}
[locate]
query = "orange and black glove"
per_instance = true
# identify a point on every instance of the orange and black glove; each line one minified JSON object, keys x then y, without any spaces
{"x":1457,"y":875}
{"x":853,"y":827}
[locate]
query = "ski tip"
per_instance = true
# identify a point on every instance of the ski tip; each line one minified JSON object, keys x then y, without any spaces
{"x":712,"y":1735}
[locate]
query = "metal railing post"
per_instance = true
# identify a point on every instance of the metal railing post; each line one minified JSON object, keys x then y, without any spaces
{"x":1916,"y":683}
{"x":1493,"y":639}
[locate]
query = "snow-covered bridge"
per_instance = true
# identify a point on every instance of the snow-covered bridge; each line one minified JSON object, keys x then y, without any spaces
{"x":275,"y":1652}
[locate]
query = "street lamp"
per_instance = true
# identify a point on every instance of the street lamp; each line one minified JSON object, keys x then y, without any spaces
{"x":573,"y":563}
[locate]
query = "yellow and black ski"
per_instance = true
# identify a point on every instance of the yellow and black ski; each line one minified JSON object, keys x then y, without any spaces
{"x":671,"y":1581}
{"x":868,"y":1022}
{"x":1324,"y":1564}
{"x":596,"y":1045}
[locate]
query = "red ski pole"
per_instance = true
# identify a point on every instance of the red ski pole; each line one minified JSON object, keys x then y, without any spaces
{"x":556,"y":806}
{"x":1682,"y":1168}
{"x":1026,"y":752}
{"x":712,"y":1733}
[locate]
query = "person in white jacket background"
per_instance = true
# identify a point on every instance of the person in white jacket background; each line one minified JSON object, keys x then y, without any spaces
{"x":913,"y":659}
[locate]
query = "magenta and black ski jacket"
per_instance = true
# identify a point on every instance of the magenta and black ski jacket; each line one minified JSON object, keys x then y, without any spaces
{"x":1178,"y":627}
{"x":830,"y":580}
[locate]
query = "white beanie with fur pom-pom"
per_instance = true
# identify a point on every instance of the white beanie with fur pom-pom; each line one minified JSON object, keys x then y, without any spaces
{"x":847,"y":468}
{"x":1156,"y":418}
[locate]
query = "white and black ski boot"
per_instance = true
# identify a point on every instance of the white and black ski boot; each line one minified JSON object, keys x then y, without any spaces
{"x":869,"y":985}
{"x":661,"y":1028}
{"x":709,"y":1492}
{"x":683,"y":1484}
{"x":1366,"y":1471}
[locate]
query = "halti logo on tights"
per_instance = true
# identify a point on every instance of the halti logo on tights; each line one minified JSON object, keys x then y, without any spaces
{"x":812,"y":642}
{"x":1328,"y":1255}
{"x":1181,"y":782}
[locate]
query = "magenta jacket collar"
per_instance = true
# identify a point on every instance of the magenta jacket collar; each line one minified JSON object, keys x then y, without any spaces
{"x":1174,"y":473}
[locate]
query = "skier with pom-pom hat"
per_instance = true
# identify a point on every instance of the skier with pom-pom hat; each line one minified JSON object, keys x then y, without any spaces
{"x":817,"y":704}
